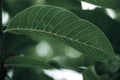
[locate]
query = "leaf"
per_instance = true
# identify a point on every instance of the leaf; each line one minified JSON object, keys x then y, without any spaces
{"x":63,"y":25}
{"x":34,"y":74}
{"x":26,"y":62}
{"x":90,"y":74}
{"x":68,"y":4}
{"x":109,"y":26}
{"x":105,"y":3}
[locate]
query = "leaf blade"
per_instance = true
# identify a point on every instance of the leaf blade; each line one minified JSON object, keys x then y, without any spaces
{"x":18,"y":61}
{"x":52,"y":21}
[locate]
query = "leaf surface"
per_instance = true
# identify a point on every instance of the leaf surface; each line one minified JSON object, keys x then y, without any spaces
{"x":26,"y":62}
{"x":68,"y":4}
{"x":63,"y":25}
{"x":110,"y":27}
{"x":34,"y":74}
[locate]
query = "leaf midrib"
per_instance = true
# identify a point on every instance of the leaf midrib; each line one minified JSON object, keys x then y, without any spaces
{"x":7,"y":30}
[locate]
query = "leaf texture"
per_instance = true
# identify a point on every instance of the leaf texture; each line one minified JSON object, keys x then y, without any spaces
{"x":63,"y":25}
{"x":105,"y":3}
{"x":26,"y":62}
{"x":110,"y":27}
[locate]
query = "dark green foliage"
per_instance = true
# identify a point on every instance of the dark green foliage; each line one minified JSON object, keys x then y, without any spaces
{"x":12,"y":5}
{"x":109,"y":26}
{"x":71,"y":30}
{"x":86,"y":41}
{"x":69,"y":4}
{"x":29,"y":74}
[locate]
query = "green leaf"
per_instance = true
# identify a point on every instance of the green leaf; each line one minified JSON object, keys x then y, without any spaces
{"x":34,"y":74}
{"x":110,"y":27}
{"x":63,"y":25}
{"x":26,"y":62}
{"x":68,"y":4}
{"x":105,"y":3}
{"x":90,"y":74}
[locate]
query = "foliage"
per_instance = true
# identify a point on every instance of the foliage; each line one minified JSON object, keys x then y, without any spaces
{"x":75,"y":37}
